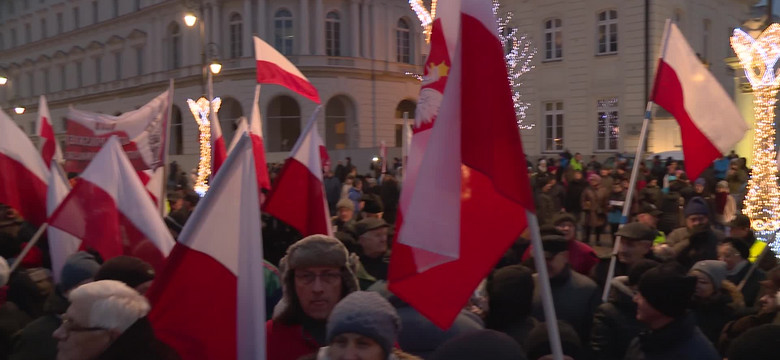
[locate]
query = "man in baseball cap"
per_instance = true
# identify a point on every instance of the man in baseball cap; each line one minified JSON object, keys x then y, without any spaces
{"x":371,"y":236}
{"x":636,"y":243}
{"x":649,"y":215}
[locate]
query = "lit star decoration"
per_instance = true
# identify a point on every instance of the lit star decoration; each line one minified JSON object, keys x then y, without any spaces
{"x":200,"y":110}
{"x":519,"y":55}
{"x":426,"y":17}
{"x":758,"y":57}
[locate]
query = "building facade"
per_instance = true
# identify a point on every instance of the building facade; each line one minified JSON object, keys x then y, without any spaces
{"x":596,"y":62}
{"x":113,"y":56}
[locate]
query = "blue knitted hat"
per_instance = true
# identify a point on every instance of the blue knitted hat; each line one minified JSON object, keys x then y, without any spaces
{"x":366,"y":313}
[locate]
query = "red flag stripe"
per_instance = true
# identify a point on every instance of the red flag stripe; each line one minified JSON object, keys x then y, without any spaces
{"x":297,"y":199}
{"x":271,"y":73}
{"x":22,"y":190}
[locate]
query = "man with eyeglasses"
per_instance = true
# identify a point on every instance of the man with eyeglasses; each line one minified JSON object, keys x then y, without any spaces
{"x":373,"y":250}
{"x":735,"y":254}
{"x":316,"y":274}
{"x":107,"y":320}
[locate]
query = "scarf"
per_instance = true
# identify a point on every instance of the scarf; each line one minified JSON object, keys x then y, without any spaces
{"x":720,"y":201}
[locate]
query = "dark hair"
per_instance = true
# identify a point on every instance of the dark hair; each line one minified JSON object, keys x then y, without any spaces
{"x":510,"y":296}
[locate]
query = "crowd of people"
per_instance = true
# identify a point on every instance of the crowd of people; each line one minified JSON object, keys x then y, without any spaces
{"x":685,"y":284}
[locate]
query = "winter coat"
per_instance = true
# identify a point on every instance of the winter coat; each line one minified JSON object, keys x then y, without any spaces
{"x":736,"y":180}
{"x":714,"y":313}
{"x":671,"y":206}
{"x":752,"y":286}
{"x":332,"y":192}
{"x":679,"y":340}
{"x":738,"y":327}
{"x":545,"y":208}
{"x":599,"y":273}
{"x":691,"y":248}
{"x":573,"y":198}
{"x":35,"y":341}
{"x":575,"y":298}
{"x":615,"y":323}
{"x":651,"y":195}
{"x":139,"y":343}
{"x":594,"y":204}
{"x":288,"y":342}
{"x":12,"y":319}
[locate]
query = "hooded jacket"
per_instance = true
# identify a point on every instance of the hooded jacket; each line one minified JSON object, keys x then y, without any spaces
{"x":615,"y":323}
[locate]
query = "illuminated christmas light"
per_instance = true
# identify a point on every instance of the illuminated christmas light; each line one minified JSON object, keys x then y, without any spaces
{"x":758,"y":57}
{"x":519,"y":55}
{"x":426,"y":17}
{"x":200,"y":110}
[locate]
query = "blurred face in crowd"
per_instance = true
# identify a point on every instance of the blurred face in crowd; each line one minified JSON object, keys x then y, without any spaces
{"x":630,"y":250}
{"x":704,"y":286}
{"x":768,"y":301}
{"x":318,"y":289}
{"x":617,"y":187}
{"x":352,"y":346}
{"x":547,"y":187}
{"x":645,"y":312}
{"x":374,"y":242}
{"x":577,"y":175}
{"x":696,"y":220}
{"x":672,"y":167}
{"x":594,"y":182}
{"x":578,"y":156}
{"x":739,"y":232}
{"x":568,"y":229}
{"x":345,"y":214}
{"x":176,"y":204}
{"x":653,"y":182}
{"x":699,"y":188}
{"x":556,"y":263}
{"x":729,"y":255}
{"x":647,"y":219}
{"x":78,"y":341}
{"x":604,"y":172}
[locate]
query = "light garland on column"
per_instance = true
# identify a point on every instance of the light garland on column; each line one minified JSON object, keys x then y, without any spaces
{"x":200,"y":110}
{"x":758,"y":57}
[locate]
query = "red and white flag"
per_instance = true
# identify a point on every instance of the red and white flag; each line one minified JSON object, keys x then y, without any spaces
{"x":230,"y":321}
{"x":48,"y":145}
{"x":142,"y":134}
{"x":153,"y":181}
{"x":61,"y":244}
{"x":471,"y":197}
{"x":241,"y":128}
{"x":298,"y":198}
{"x":23,"y":174}
{"x":218,"y":150}
{"x":256,"y":133}
{"x":710,"y":123}
{"x":274,"y":68}
{"x":109,"y":210}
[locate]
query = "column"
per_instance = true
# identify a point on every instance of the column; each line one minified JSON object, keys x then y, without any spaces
{"x":375,"y":34}
{"x":390,"y":56}
{"x":212,"y":23}
{"x":365,"y":32}
{"x":218,"y":30}
{"x":246,"y":17}
{"x":262,"y":21}
{"x":354,"y":28}
{"x":304,"y":20}
{"x":319,"y":28}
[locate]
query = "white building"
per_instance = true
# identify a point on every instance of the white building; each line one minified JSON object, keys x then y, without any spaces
{"x":112,"y":56}
{"x":596,"y":64}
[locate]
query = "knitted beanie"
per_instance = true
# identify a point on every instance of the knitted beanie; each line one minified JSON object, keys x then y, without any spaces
{"x":346,"y":204}
{"x":366,"y":313}
{"x":714,"y":269}
{"x":127,"y":269}
{"x":77,"y":268}
{"x":668,"y":289}
{"x":697,"y":206}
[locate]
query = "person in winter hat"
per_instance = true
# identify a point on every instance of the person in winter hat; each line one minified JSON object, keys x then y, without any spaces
{"x":316,"y":274}
{"x":636,"y":244}
{"x":698,"y":240}
{"x":134,"y":272}
{"x":735,"y":253}
{"x":363,"y":325}
{"x":715,"y":300}
{"x":663,"y":299}
{"x":482,"y":344}
{"x":510,"y":296}
{"x":768,"y":311}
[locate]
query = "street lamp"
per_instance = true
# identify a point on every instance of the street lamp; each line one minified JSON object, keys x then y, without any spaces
{"x":19,"y":110}
{"x":3,"y":80}
{"x":190,"y":19}
{"x":215,"y":67}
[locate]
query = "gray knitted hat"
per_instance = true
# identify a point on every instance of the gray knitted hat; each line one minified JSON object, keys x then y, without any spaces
{"x":77,"y":268}
{"x":716,"y":270}
{"x":366,"y":313}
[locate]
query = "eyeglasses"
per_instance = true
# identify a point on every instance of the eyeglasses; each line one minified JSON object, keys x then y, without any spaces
{"x":71,"y":326}
{"x":308,"y":278}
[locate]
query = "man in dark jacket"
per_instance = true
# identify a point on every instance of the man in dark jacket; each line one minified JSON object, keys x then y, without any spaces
{"x":107,"y":320}
{"x":510,"y":293}
{"x":664,"y":295}
{"x":698,"y":240}
{"x":636,"y":244}
{"x":735,"y":253}
{"x":373,"y":250}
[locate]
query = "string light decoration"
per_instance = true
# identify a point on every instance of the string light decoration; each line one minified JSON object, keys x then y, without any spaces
{"x":519,"y":56}
{"x":200,"y":110}
{"x":426,"y":17}
{"x":758,"y":57}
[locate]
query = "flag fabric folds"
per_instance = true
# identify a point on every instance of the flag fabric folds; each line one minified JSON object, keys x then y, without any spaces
{"x":256,"y":133}
{"x":48,"y":145}
{"x":218,"y":151}
{"x":110,"y":211}
{"x":216,"y":272}
{"x":61,"y":244}
{"x":23,"y":174}
{"x":471,"y":194}
{"x":710,"y":123}
{"x":274,"y":68}
{"x":241,"y":128}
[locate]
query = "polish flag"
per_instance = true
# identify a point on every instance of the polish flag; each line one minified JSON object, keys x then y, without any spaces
{"x":218,"y":152}
{"x":241,"y":128}
{"x":471,"y":197}
{"x":48,"y":145}
{"x":710,"y":123}
{"x":61,"y":244}
{"x":153,"y":181}
{"x":220,"y":281}
{"x":274,"y":68}
{"x":109,"y":210}
{"x":24,"y":176}
{"x":298,"y":198}
{"x":256,"y":133}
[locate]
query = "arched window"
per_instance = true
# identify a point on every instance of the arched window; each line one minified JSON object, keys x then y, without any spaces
{"x":333,"y":34}
{"x":403,"y":42}
{"x":283,"y":31}
{"x":176,"y":147}
{"x":407,"y":107}
{"x":228,"y":115}
{"x":174,"y":49}
{"x":236,"y":36}
{"x":284,"y":123}
{"x":339,"y":116}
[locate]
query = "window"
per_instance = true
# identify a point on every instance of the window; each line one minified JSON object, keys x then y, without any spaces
{"x":98,"y":69}
{"x":284,"y":123}
{"x":235,"y":36}
{"x":116,"y":8}
{"x":177,"y":130}
{"x":403,"y":41}
{"x":705,"y":41}
{"x":59,"y":23}
{"x":332,"y":34}
{"x":95,"y":12}
{"x":63,"y":78}
{"x":46,"y":85}
{"x":337,"y":120}
{"x":13,"y":38}
{"x":607,"y":32}
{"x":283,"y":31}
{"x":118,"y":65}
{"x":44,"y":30}
{"x":27,"y":33}
{"x":76,"y":18}
{"x":553,"y":39}
{"x":553,"y":126}
{"x":139,"y":61}
{"x":79,"y":75}
{"x":607,"y":130}
{"x":174,"y":50}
